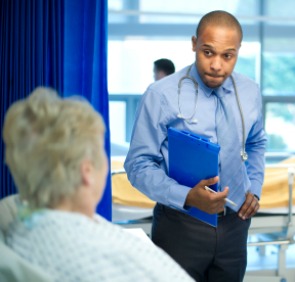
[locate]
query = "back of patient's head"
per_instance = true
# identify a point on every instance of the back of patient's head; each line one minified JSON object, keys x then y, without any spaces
{"x":46,"y":140}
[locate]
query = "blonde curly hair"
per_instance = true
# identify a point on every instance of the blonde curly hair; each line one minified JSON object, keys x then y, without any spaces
{"x":46,"y":140}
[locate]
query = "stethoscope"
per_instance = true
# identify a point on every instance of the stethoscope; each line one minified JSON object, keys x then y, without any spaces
{"x":191,"y":119}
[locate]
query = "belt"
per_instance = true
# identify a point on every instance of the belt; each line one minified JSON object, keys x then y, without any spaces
{"x":226,"y":211}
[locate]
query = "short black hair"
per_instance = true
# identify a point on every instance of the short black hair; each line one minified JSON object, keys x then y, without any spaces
{"x":165,"y":65}
{"x":221,"y":18}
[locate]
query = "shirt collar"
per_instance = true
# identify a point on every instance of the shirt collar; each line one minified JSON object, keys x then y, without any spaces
{"x":225,"y":88}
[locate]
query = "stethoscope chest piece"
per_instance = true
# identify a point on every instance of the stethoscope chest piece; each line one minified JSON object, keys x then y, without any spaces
{"x":244,"y":155}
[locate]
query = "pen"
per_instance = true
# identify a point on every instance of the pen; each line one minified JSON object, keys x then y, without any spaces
{"x":226,"y":199}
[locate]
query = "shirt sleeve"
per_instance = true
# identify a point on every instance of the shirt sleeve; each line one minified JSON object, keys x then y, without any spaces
{"x":145,"y":162}
{"x":255,"y":147}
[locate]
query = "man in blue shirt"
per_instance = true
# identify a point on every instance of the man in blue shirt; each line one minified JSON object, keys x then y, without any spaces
{"x":207,"y":253}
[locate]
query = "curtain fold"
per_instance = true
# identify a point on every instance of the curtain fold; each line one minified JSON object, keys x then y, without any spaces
{"x":26,"y":57}
{"x":85,"y":65}
{"x":56,"y":43}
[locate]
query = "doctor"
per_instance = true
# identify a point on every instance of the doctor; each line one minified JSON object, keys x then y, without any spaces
{"x":207,"y":253}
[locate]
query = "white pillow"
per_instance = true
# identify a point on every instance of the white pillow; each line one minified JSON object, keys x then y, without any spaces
{"x":14,"y":268}
{"x":8,"y":211}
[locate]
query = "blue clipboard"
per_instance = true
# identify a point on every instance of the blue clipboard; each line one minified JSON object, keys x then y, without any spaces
{"x":193,"y":158}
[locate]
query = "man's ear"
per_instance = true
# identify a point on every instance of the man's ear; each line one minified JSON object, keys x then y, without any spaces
{"x":86,"y":169}
{"x":194,"y":43}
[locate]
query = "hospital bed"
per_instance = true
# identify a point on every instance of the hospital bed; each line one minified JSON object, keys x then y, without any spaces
{"x":274,"y":225}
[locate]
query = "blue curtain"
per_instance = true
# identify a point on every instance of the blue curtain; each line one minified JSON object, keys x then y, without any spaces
{"x":85,"y":64}
{"x":56,"y":43}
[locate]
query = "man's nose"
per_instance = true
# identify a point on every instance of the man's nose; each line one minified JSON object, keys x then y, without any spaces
{"x":216,"y":64}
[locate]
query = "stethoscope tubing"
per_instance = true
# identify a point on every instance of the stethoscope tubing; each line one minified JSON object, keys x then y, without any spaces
{"x":191,"y":118}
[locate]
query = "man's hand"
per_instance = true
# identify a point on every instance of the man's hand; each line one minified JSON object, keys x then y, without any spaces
{"x":206,"y":200}
{"x":250,"y":206}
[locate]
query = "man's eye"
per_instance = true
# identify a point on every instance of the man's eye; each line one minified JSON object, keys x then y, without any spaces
{"x":228,"y":56}
{"x":207,"y":53}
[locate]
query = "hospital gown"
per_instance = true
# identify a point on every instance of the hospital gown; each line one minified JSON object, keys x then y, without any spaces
{"x":73,"y":247}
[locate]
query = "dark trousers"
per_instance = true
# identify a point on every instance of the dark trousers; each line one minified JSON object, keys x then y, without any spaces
{"x":207,"y":253}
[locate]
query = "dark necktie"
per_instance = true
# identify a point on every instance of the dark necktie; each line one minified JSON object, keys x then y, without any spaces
{"x":232,"y":168}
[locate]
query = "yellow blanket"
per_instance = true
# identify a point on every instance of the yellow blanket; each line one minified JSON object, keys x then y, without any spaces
{"x":124,"y":193}
{"x":275,"y":192}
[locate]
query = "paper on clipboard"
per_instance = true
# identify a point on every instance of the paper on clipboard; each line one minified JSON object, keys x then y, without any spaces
{"x":193,"y":158}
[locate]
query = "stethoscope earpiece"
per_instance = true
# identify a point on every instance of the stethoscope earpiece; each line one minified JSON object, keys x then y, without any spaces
{"x":193,"y":121}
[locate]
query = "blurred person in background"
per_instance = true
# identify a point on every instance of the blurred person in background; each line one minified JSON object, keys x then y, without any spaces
{"x":162,"y":68}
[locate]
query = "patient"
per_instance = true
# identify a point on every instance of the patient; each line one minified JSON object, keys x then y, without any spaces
{"x":55,"y":152}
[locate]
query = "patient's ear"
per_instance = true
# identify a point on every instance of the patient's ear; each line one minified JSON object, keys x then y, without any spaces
{"x":87,"y":170}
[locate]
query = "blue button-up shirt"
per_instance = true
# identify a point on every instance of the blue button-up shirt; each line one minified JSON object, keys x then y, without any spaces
{"x":147,"y":160}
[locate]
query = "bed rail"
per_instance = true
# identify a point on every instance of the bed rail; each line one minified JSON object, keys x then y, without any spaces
{"x":275,"y":230}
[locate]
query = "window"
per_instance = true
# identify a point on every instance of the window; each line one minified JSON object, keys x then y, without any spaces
{"x":280,"y":126}
{"x":142,"y":31}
